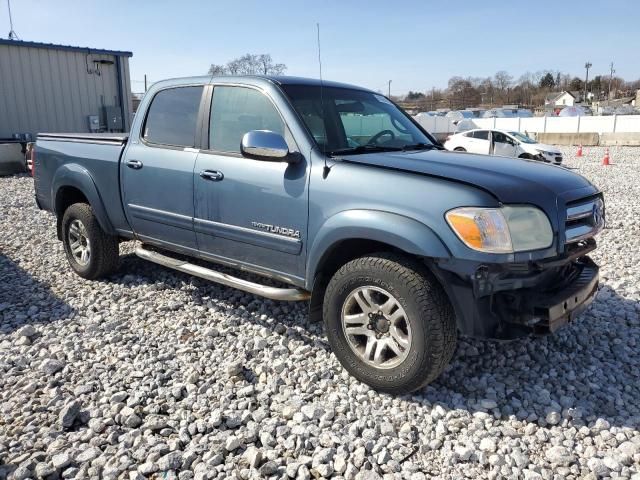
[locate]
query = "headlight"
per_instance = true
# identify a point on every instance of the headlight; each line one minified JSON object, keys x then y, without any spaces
{"x":501,"y":230}
{"x":544,"y":152}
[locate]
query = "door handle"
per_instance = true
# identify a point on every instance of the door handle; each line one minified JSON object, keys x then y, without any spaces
{"x":135,"y":164}
{"x":212,"y":175}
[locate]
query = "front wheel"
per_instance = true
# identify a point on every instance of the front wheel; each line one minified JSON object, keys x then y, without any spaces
{"x":389,"y":322}
{"x":91,"y":252}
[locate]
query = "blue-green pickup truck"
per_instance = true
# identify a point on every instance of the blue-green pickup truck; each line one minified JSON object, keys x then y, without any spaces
{"x":335,"y":192}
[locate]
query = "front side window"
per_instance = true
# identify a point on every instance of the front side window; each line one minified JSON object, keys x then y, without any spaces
{"x":173,"y":116}
{"x":236,"y":111}
{"x":499,"y":137}
{"x":350,"y":121}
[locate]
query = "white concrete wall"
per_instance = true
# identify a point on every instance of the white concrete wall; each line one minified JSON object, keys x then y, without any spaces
{"x":436,"y":124}
{"x":598,"y":124}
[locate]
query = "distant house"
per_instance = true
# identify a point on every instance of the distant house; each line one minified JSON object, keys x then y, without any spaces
{"x":559,"y":99}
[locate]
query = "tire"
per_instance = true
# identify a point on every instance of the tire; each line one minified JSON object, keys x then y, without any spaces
{"x":526,"y":156}
{"x":429,"y":329}
{"x":459,"y":149}
{"x":78,"y":222}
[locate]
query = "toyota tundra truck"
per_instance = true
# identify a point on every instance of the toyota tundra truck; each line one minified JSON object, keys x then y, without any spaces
{"x":335,"y":196}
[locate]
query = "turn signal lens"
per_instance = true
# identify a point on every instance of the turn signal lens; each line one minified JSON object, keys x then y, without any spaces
{"x":483,"y":229}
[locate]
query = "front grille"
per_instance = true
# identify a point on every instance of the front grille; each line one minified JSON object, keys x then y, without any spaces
{"x":558,"y":159}
{"x":585,"y":218}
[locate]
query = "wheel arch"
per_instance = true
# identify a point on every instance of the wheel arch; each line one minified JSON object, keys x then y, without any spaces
{"x":372,"y":228}
{"x":74,"y":184}
{"x":354,"y":233}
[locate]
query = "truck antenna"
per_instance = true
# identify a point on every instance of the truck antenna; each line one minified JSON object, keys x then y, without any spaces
{"x":327,"y":168}
{"x":12,"y":33}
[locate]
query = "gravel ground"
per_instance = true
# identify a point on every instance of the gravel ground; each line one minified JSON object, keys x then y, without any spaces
{"x":156,"y":374}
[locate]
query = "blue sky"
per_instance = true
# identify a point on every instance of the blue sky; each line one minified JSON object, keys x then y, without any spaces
{"x":416,"y":44}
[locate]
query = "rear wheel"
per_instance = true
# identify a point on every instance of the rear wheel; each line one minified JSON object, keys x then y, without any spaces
{"x":389,"y":322}
{"x":91,"y":252}
{"x":459,"y":149}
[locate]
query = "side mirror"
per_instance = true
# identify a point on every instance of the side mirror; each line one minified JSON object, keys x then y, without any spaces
{"x":264,"y":145}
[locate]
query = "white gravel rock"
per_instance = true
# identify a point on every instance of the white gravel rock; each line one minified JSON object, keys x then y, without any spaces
{"x":27,"y":330}
{"x":169,"y":375}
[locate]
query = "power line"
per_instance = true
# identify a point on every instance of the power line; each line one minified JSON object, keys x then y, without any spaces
{"x":12,"y":33}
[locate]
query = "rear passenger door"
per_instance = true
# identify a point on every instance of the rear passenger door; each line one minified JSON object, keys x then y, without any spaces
{"x":479,"y":143}
{"x":249,"y":212}
{"x":157,"y":169}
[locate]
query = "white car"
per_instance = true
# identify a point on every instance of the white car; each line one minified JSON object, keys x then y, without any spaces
{"x":504,"y":143}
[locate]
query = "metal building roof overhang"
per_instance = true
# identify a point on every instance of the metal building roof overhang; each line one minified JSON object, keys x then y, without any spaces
{"x":52,"y":46}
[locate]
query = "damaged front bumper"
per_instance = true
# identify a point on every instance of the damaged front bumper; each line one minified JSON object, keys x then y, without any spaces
{"x":506,"y":301}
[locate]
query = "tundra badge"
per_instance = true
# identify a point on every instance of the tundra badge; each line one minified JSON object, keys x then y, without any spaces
{"x":289,"y":232}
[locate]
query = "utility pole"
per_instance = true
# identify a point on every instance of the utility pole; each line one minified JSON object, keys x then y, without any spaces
{"x":587,"y":66}
{"x":389,"y":90}
{"x":145,"y":83}
{"x":433,"y":94}
{"x":611,"y":72}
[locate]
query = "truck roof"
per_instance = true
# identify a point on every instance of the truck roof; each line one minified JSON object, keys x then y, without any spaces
{"x":258,"y":80}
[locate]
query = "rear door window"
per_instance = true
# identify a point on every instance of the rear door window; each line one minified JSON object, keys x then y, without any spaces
{"x":172,"y":117}
{"x":481,"y":134}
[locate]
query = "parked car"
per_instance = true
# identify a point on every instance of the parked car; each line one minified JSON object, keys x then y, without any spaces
{"x":503,"y":143}
{"x":458,"y":115}
{"x":572,"y":111}
{"x":397,"y":244}
{"x":426,"y":114}
{"x":498,"y":113}
{"x":524,"y":113}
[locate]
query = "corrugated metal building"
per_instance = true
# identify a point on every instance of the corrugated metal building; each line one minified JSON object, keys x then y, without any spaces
{"x":59,"y":88}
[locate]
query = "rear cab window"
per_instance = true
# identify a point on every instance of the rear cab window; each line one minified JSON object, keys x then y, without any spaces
{"x":173,"y":116}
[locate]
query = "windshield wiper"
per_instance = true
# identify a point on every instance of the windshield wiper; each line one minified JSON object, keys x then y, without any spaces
{"x":422,"y":146}
{"x":364,"y":149}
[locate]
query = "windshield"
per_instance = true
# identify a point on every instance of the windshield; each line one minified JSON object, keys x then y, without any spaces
{"x":522,"y":138}
{"x":354,"y":121}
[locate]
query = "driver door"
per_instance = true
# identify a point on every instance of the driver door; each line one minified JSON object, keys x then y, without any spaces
{"x":503,"y":145}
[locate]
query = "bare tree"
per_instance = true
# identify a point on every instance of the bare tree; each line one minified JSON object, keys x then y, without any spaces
{"x":249,"y":64}
{"x":503,"y":80}
{"x":462,"y":93}
{"x":217,"y":69}
{"x":268,"y":67}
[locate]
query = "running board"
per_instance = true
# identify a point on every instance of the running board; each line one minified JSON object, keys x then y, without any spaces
{"x":274,"y":293}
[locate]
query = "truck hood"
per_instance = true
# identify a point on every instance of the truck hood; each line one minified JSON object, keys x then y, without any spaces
{"x":510,"y":180}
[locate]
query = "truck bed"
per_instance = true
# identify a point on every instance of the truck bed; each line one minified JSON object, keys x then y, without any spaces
{"x":88,"y":162}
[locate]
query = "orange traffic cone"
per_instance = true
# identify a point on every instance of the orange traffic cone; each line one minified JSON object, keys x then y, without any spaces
{"x":579,"y":154}
{"x":605,"y":160}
